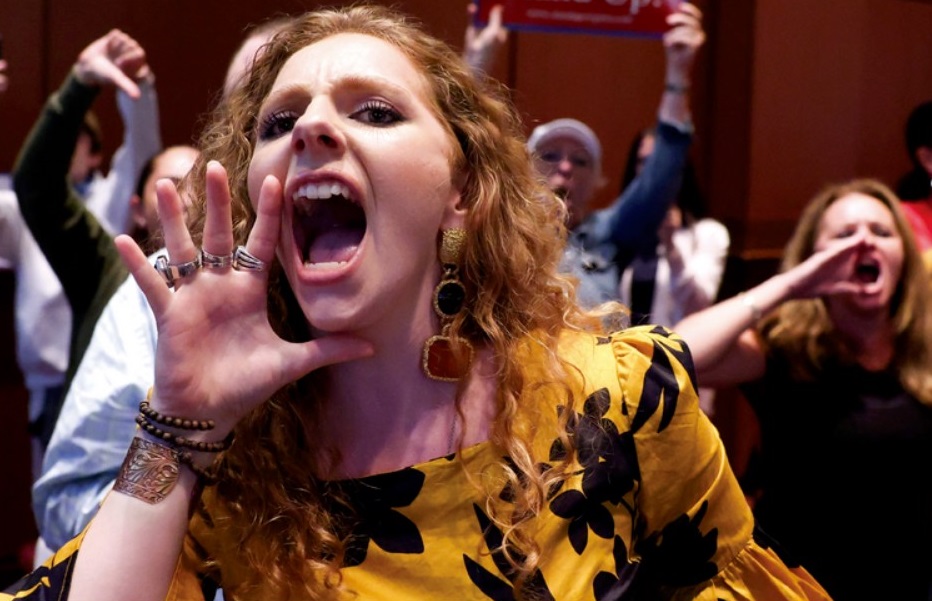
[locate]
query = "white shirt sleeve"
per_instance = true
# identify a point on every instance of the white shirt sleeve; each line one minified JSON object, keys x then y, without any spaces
{"x":109,"y":196}
{"x":97,"y":419}
{"x":704,"y":249}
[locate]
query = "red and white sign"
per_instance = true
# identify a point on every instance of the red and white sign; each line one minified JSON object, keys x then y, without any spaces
{"x":610,"y":17}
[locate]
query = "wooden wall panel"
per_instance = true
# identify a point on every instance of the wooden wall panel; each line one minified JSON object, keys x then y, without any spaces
{"x":833,"y":83}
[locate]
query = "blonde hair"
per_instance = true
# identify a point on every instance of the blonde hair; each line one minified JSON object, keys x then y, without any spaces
{"x":804,"y":330}
{"x":515,"y":236}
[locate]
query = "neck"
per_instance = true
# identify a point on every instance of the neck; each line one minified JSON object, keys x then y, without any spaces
{"x":871,"y":339}
{"x":384,"y":413}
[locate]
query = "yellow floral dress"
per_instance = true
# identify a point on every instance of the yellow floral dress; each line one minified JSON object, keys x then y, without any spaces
{"x":652,"y":510}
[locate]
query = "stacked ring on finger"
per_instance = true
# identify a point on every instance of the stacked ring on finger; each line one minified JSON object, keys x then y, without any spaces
{"x":212,"y":261}
{"x":243,"y":260}
{"x":173,"y":272}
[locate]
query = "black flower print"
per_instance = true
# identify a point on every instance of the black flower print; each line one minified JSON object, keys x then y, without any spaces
{"x":493,"y":587}
{"x":659,"y":385}
{"x":683,"y":555}
{"x":47,"y":583}
{"x":609,"y":472}
{"x":374,"y":518}
{"x":620,"y":585}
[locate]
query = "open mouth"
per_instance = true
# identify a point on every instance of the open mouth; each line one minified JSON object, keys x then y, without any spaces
{"x":328,"y":224}
{"x":867,"y":272}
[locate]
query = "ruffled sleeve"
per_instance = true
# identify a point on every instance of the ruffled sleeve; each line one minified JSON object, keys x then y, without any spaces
{"x":694,"y":531}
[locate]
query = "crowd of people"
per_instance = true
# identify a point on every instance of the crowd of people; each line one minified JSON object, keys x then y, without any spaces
{"x":370,"y":338}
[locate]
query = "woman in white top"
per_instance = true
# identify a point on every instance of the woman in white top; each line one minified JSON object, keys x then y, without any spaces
{"x":683,"y":272}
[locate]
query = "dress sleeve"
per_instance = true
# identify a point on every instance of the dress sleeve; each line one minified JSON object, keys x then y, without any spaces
{"x":52,"y":580}
{"x":695,"y":532}
{"x":142,"y":139}
{"x":49,"y":582}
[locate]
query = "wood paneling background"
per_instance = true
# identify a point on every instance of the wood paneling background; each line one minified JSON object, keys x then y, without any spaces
{"x":789,"y":95}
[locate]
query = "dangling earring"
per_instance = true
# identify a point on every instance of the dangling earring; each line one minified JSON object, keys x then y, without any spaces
{"x":439,"y":360}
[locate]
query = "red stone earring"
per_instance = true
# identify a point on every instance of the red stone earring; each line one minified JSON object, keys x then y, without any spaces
{"x":445,"y":358}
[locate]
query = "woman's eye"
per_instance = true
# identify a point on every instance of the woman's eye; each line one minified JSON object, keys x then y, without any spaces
{"x":276,"y":124}
{"x":846,"y":232}
{"x":378,"y":113}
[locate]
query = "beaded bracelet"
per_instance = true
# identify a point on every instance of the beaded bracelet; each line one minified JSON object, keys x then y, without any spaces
{"x":174,"y":422}
{"x":206,"y":474}
{"x":181,"y":441}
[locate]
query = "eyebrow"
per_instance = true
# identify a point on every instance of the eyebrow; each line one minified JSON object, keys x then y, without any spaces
{"x":394,"y":91}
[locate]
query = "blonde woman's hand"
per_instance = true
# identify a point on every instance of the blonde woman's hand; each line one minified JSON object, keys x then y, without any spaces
{"x":217,"y":356}
{"x":828,"y":271}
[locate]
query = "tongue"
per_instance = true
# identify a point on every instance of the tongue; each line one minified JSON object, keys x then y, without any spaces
{"x":335,"y":246}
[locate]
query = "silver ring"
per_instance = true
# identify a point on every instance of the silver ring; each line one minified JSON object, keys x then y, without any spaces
{"x":243,"y":260}
{"x":171,"y":273}
{"x":212,"y":261}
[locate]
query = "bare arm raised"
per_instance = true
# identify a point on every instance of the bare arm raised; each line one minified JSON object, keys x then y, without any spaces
{"x":725,"y":348}
{"x":217,"y":358}
{"x":681,"y":44}
{"x":481,"y":45}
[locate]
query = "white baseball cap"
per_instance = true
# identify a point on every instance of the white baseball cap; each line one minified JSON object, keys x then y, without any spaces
{"x":568,"y":128}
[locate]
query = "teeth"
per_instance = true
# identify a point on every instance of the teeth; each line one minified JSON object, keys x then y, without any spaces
{"x":327,"y":265}
{"x":321,"y":191}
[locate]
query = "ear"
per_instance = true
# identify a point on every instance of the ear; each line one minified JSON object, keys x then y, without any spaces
{"x":455,"y":213}
{"x":138,"y":212}
{"x":924,"y":155}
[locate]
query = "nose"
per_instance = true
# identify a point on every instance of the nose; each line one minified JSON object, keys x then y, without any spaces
{"x":317,"y":129}
{"x":565,"y":166}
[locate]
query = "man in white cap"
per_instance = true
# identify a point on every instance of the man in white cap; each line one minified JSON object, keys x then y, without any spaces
{"x":569,"y":154}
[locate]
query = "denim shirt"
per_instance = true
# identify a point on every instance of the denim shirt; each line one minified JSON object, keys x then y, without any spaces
{"x":598,"y":249}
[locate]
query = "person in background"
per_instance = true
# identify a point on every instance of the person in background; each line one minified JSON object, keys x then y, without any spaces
{"x":75,"y":244}
{"x":915,"y":187}
{"x":96,"y":422}
{"x":420,"y":408}
{"x":56,"y":160}
{"x":568,"y":153}
{"x":834,"y":354}
{"x":682,"y":273}
{"x":256,"y":36}
{"x":172,"y":163}
{"x":77,"y":465}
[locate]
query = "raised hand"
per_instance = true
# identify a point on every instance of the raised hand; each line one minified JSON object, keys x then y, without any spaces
{"x":481,"y":45}
{"x":217,"y":356}
{"x":682,"y":42}
{"x":827,"y":272}
{"x":114,"y":59}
